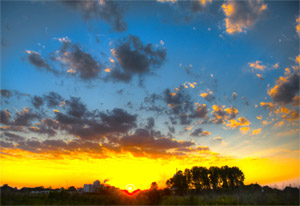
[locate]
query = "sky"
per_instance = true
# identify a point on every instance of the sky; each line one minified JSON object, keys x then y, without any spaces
{"x":131,"y":91}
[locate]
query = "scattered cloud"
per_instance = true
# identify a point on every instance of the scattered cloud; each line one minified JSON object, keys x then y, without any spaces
{"x":109,"y":11}
{"x":256,"y":131}
{"x":242,"y":121}
{"x":208,"y":95}
{"x":298,"y":25}
{"x":257,"y":65}
{"x":286,"y":89}
{"x":244,"y":130}
{"x":199,"y":133}
{"x":135,"y":58}
{"x":38,"y":61}
{"x":78,"y":62}
{"x":241,"y":15}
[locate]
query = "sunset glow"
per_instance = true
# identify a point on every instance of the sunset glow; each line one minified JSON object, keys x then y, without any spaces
{"x":129,"y":92}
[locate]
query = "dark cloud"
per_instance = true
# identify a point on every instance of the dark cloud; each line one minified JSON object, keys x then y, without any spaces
{"x":179,"y":102}
{"x":118,"y":75}
{"x":5,"y":117}
{"x":199,"y":133}
{"x":75,"y":107}
{"x":150,"y":123}
{"x":241,"y":15}
{"x":37,"y":101}
{"x":53,"y":99}
{"x":136,"y":58}
{"x":200,"y":111}
{"x":6,"y":144}
{"x":109,"y":11}
{"x":234,"y":95}
{"x":78,"y":62}
{"x":171,"y":129}
{"x":221,"y":114}
{"x":37,"y":60}
{"x":119,"y":118}
{"x":193,"y":6}
{"x":187,"y":10}
{"x":143,"y":139}
{"x":208,"y":96}
{"x":96,"y":125}
{"x":13,"y":137}
{"x":285,"y":90}
{"x":25,"y":117}
{"x":5,"y":93}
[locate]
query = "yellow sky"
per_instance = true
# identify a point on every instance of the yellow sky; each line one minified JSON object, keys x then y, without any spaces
{"x":67,"y":171}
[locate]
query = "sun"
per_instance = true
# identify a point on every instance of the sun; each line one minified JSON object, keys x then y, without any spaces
{"x":130,"y":188}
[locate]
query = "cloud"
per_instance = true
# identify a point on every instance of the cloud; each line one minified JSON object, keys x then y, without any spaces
{"x":6,"y":93}
{"x":96,"y":125}
{"x":25,"y":117}
{"x":109,"y":11}
{"x":256,"y":131}
{"x":244,"y":130}
{"x":37,"y":101}
{"x":257,"y":65}
{"x":208,"y":96}
{"x":11,"y":137}
{"x":143,"y":139}
{"x":220,"y":114}
{"x":178,"y":102}
{"x":200,"y":111}
{"x":75,"y":107}
{"x":298,"y":25}
{"x":241,"y":15}
{"x":78,"y":62}
{"x":37,"y":60}
{"x":136,"y":58}
{"x":269,"y":105}
{"x":188,"y":8}
{"x":292,"y":115}
{"x":234,"y":95}
{"x":53,"y":99}
{"x":150,"y":123}
{"x":260,"y":76}
{"x":242,"y":121}
{"x":200,"y":133}
{"x":286,"y":89}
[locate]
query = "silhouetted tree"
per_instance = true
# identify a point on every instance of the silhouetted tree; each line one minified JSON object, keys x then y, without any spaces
{"x":214,"y":177}
{"x":154,"y":186}
{"x":178,"y":183}
{"x":153,"y":194}
{"x":200,"y":178}
{"x":72,"y":189}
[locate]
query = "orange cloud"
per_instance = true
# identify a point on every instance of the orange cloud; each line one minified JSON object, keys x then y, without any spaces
{"x":257,"y":65}
{"x":298,"y":25}
{"x":256,"y":131}
{"x":240,"y":15}
{"x":242,"y":121}
{"x":244,"y":130}
{"x":269,"y":105}
{"x":260,"y":76}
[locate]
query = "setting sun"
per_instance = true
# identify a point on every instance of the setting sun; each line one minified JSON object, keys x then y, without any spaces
{"x":130,"y":188}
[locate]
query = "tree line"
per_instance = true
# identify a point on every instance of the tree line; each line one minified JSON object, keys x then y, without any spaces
{"x":201,"y":179}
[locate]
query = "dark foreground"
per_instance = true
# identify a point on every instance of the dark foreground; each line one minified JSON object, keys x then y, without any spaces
{"x":246,"y":195}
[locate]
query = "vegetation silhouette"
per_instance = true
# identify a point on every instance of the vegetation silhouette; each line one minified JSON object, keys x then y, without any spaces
{"x":195,"y":186}
{"x":199,"y":179}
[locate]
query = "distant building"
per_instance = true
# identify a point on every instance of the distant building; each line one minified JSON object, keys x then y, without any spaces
{"x":95,"y":187}
{"x":87,"y":188}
